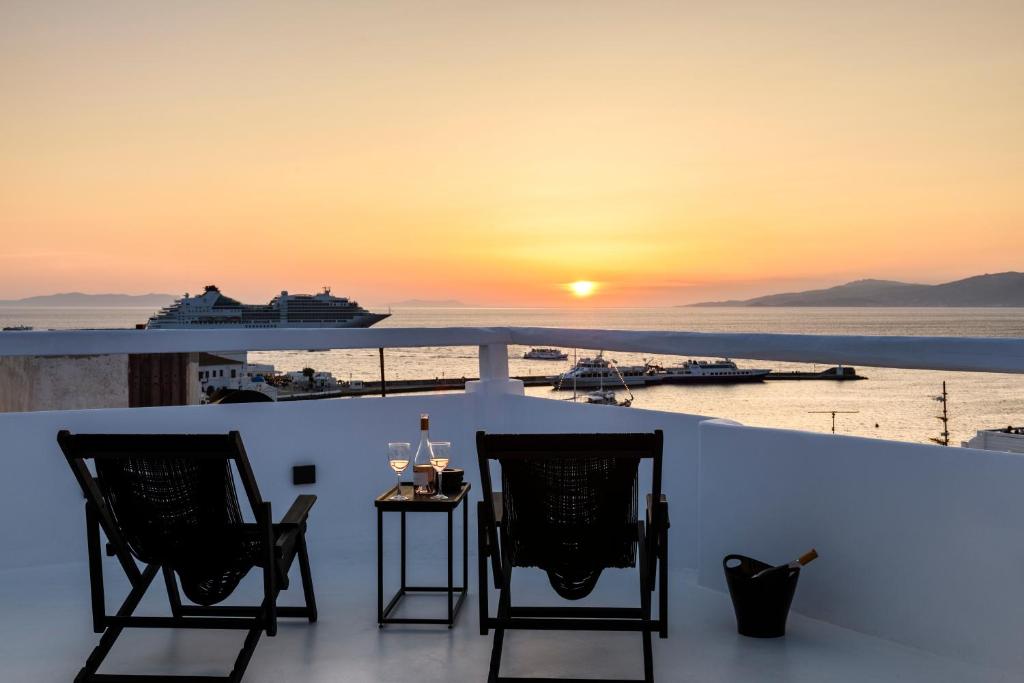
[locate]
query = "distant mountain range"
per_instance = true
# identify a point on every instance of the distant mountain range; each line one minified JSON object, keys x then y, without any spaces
{"x":1000,"y":289}
{"x":72,"y":299}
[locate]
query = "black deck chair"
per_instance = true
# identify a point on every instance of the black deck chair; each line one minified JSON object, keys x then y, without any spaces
{"x":568,"y":506}
{"x":168,"y":501}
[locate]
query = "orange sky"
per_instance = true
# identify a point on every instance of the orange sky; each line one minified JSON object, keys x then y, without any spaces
{"x":492,"y":152}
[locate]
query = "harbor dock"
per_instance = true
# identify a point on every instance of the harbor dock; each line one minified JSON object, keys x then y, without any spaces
{"x":410,"y":386}
{"x":839,"y":373}
{"x":398,"y":386}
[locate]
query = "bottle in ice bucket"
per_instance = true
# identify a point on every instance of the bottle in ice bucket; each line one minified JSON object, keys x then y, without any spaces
{"x":422,"y":472}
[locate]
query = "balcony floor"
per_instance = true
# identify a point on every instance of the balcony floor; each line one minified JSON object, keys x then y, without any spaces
{"x":45,"y":635}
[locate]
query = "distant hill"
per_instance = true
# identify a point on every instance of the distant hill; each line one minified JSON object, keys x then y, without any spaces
{"x":72,"y":299}
{"x":1000,"y":289}
{"x":430,"y":303}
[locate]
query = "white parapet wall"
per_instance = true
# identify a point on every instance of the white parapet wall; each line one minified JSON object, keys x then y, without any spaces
{"x":919,"y":544}
{"x":346,"y":440}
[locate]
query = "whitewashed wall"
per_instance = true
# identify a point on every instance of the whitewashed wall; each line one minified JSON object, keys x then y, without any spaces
{"x":344,"y":438}
{"x":919,"y":544}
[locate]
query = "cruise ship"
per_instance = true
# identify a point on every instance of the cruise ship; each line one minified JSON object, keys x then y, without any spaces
{"x":213,"y":310}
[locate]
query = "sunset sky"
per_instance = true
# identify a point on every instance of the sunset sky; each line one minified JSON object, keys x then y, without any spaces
{"x":494,"y":152}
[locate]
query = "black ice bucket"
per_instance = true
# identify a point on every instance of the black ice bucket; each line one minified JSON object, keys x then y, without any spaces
{"x":761,"y":604}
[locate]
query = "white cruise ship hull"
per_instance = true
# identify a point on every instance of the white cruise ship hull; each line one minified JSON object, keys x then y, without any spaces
{"x":211,"y":310}
{"x":360,"y":321}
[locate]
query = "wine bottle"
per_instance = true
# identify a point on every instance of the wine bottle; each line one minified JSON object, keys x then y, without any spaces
{"x":421,"y":468}
{"x":804,"y":559}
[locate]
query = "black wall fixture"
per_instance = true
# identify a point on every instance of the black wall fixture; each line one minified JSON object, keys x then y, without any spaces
{"x":303,"y":475}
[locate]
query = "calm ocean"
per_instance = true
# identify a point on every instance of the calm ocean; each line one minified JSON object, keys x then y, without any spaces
{"x":893,"y":404}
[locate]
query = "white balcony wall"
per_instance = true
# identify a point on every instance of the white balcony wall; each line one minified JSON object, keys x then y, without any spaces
{"x":919,"y":544}
{"x":346,"y":439}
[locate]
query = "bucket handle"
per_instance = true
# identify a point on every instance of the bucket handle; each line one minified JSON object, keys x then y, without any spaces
{"x":725,"y":562}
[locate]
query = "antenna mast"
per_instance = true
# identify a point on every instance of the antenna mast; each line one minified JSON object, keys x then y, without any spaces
{"x":833,"y":413}
{"x":943,"y":438}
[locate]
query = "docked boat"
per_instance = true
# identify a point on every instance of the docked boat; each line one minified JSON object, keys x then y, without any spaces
{"x":722,"y":371}
{"x":598,"y":372}
{"x":545,"y":354}
{"x":213,"y":310}
{"x":18,"y":328}
{"x":606,"y":397}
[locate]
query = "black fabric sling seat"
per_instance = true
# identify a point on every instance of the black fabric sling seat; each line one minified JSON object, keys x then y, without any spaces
{"x":183,"y":514}
{"x":571,"y":516}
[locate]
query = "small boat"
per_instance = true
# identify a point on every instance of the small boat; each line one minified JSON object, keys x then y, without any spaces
{"x":722,"y":371}
{"x":18,"y":328}
{"x":545,"y":354}
{"x":606,"y":397}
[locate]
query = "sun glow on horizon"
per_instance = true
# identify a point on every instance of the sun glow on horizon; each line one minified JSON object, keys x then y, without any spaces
{"x":404,"y":150}
{"x":582,"y":288}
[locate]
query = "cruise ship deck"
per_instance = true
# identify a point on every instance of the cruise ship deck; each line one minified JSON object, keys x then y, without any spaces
{"x":921,"y":547}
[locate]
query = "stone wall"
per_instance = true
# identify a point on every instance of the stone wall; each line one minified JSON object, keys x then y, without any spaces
{"x":30,"y":383}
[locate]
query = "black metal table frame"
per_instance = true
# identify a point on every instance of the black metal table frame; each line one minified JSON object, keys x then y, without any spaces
{"x":384,"y":611}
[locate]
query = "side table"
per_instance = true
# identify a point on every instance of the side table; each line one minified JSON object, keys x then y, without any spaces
{"x":421,"y":504}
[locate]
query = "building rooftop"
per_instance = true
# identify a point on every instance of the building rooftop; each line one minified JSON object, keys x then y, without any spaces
{"x":921,"y":546}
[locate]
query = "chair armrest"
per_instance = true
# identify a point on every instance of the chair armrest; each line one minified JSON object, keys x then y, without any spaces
{"x":290,"y":527}
{"x":299,"y":510}
{"x":662,"y":510}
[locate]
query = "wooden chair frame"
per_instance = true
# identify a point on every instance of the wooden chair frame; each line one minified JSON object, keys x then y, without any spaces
{"x":652,"y":551}
{"x":284,"y":542}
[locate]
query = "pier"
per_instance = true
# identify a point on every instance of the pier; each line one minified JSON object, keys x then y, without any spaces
{"x":398,"y":386}
{"x":411,"y":386}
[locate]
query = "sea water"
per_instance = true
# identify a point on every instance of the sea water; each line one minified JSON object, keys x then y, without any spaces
{"x":891,"y":404}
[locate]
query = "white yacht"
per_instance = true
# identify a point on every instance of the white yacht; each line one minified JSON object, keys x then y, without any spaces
{"x":599,"y":372}
{"x":722,"y":371}
{"x":545,"y":354}
{"x":213,"y":310}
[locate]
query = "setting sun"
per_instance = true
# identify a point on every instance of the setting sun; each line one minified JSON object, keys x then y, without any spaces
{"x":582,"y":288}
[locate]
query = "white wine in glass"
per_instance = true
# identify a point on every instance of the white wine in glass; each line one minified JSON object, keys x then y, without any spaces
{"x":440,"y":454}
{"x":398,"y":460}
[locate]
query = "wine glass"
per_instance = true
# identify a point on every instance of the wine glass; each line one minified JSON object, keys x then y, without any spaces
{"x":440,"y":454}
{"x":398,"y":460}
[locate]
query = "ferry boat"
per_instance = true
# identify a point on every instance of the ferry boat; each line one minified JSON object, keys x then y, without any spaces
{"x":213,"y":310}
{"x":722,"y":371}
{"x":599,"y":372}
{"x":545,"y":354}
